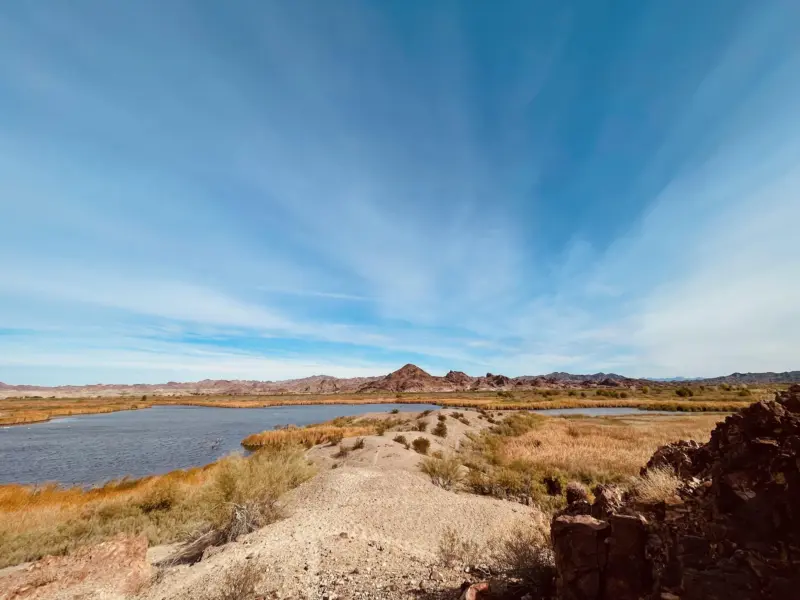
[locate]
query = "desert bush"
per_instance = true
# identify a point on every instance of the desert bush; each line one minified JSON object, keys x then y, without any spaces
{"x":505,"y":394}
{"x":444,"y":472}
{"x":684,"y":392}
{"x":239,"y":583}
{"x":342,"y":452}
{"x":645,"y":389}
{"x":421,"y":445}
{"x":425,"y":413}
{"x":359,"y":444}
{"x":457,"y":550}
{"x":743,"y":392}
{"x":583,"y":394}
{"x":394,"y":411}
{"x":421,"y":426}
{"x":440,"y":430}
{"x":576,"y":491}
{"x":442,"y":417}
{"x":656,"y":485}
{"x":437,"y":454}
{"x":400,"y":439}
{"x":526,"y":554}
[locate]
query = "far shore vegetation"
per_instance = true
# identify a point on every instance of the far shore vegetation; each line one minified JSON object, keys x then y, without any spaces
{"x":689,"y":398}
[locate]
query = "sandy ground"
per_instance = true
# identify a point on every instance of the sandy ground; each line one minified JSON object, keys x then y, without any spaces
{"x":368,"y":528}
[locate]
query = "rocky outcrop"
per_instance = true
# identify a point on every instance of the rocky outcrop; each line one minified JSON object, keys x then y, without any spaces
{"x":114,"y":569}
{"x":731,"y":532}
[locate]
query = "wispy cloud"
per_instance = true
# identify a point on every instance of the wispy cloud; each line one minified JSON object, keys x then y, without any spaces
{"x":346,"y":189}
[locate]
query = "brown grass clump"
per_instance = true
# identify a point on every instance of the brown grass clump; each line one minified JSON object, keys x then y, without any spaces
{"x":421,"y":445}
{"x":656,"y":485}
{"x":440,"y":430}
{"x":231,"y":495}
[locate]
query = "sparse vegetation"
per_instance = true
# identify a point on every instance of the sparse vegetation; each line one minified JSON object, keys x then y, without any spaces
{"x":400,"y":439}
{"x":421,"y":445}
{"x":440,"y":430}
{"x":445,"y":472}
{"x":457,"y":550}
{"x":218,"y":501}
{"x":421,"y":426}
{"x":656,"y":485}
{"x":359,"y":444}
{"x":239,"y":583}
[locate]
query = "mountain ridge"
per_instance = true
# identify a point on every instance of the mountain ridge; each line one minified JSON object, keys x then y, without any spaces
{"x":409,"y":378}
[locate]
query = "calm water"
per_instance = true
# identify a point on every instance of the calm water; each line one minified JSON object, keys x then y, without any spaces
{"x":94,"y":448}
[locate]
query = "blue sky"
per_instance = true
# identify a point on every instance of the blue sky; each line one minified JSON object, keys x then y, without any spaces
{"x":267,"y":190}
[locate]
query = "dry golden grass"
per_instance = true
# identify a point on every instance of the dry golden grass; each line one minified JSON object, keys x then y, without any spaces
{"x":656,"y":485}
{"x":591,"y":449}
{"x":308,"y":436}
{"x":514,"y":458}
{"x":35,"y":521}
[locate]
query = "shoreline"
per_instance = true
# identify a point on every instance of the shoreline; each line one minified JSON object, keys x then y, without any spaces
{"x":53,"y":408}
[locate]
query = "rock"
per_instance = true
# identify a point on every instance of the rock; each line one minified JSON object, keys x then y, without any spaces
{"x":731,"y":532}
{"x":476,"y":591}
{"x":114,"y":568}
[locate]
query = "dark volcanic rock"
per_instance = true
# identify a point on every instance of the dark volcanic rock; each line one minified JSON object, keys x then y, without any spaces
{"x":732,"y":532}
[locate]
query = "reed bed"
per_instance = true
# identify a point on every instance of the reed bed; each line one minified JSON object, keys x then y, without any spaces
{"x":308,"y":436}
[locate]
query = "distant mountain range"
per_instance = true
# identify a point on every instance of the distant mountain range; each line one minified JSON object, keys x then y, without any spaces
{"x":409,"y":378}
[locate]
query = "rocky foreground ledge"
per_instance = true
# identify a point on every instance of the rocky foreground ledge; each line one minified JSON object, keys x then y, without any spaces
{"x":732,"y":530}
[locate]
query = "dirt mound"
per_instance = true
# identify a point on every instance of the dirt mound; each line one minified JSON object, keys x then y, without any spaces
{"x":732,"y":530}
{"x":112,"y":569}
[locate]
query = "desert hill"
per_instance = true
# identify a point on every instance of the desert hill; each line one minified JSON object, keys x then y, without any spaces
{"x":409,"y":378}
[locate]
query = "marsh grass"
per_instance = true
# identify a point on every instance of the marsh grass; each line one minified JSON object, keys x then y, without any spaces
{"x":516,"y":458}
{"x":232,"y":495}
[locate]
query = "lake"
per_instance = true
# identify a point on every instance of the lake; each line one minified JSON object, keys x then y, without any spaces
{"x":90,"y":449}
